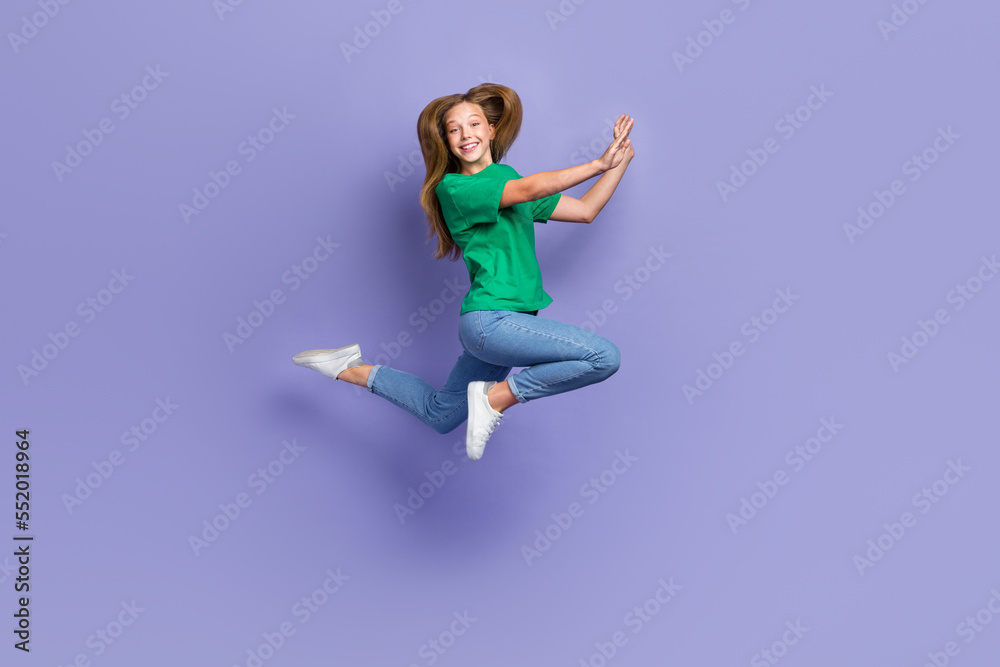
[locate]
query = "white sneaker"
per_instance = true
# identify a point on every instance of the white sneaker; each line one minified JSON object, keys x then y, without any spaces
{"x":482,"y":419}
{"x":330,"y":362}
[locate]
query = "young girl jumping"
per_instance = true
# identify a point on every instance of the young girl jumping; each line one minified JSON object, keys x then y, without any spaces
{"x":486,"y":210}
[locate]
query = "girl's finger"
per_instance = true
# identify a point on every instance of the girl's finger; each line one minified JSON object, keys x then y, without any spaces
{"x":622,"y":126}
{"x":628,"y":127}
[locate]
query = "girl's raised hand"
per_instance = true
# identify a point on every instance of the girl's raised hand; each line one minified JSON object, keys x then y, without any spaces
{"x":620,"y":146}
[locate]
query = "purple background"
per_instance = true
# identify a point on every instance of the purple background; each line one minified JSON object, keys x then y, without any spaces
{"x":328,"y":174}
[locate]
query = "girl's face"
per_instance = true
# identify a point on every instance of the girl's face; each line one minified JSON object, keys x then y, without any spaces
{"x":469,"y":136}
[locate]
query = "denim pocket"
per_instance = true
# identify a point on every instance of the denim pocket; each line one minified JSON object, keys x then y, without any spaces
{"x":470,"y":331}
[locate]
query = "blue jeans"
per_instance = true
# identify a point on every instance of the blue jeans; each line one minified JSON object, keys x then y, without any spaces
{"x":559,"y":357}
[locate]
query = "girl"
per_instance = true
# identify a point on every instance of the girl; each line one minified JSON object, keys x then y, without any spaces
{"x":486,"y":210}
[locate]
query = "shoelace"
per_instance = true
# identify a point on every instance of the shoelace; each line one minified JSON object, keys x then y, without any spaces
{"x":494,"y":421}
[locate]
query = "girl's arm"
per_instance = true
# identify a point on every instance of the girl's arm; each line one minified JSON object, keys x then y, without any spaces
{"x":546,"y":183}
{"x":585,"y":209}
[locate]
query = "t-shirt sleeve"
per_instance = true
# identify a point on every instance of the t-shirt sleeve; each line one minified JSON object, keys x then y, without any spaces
{"x":469,"y":201}
{"x":544,"y":207}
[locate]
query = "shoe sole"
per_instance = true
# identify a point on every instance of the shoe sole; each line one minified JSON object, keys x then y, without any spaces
{"x":319,"y":356}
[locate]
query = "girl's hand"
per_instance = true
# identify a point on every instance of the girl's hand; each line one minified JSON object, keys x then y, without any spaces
{"x":621,"y":148}
{"x":629,"y":152}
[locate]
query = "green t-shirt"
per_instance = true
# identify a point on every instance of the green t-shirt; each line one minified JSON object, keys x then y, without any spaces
{"x":498,"y":245}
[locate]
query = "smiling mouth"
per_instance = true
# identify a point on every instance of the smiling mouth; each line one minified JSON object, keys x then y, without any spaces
{"x":469,"y":147}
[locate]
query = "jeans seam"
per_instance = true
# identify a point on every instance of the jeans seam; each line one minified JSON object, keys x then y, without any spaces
{"x":442,"y":418}
{"x":600,"y":357}
{"x":482,"y":331}
{"x":423,"y":404}
{"x":414,"y":413}
{"x":463,"y":402}
{"x":370,"y":383}
{"x":513,"y":389}
{"x":562,"y":380}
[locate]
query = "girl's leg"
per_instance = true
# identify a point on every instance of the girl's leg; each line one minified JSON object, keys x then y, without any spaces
{"x":443,"y":410}
{"x":560,"y":357}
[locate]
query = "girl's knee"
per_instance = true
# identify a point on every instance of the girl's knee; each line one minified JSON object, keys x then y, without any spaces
{"x":443,"y":427}
{"x":613,"y":359}
{"x":609,"y":358}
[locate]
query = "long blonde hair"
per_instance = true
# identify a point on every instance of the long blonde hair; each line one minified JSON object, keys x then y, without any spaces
{"x":503,"y":110}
